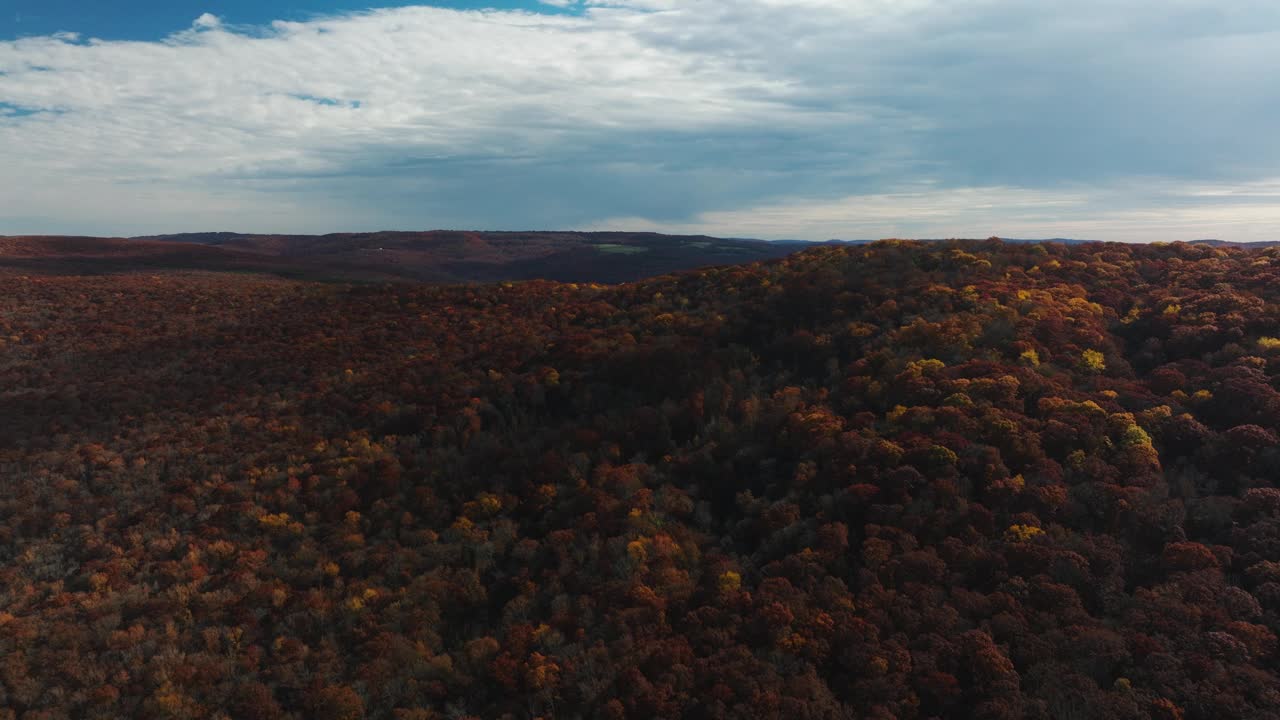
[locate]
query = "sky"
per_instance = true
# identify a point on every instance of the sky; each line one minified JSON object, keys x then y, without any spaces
{"x":1128,"y":120}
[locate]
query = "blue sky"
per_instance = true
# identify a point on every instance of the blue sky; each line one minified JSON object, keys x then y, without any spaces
{"x":156,"y":19}
{"x":1108,"y":119}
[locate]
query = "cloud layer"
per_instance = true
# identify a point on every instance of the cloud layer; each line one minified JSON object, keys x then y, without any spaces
{"x":778,"y":118}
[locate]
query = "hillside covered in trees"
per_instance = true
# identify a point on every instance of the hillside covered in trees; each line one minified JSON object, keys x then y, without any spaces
{"x":438,"y":256}
{"x":898,"y":480}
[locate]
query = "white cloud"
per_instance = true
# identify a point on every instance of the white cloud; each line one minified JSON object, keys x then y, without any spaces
{"x":207,"y":21}
{"x":425,"y":80}
{"x":1161,"y":211}
{"x":796,"y":117}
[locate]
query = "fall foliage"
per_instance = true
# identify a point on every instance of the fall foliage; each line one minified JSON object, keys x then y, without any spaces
{"x":911,"y":480}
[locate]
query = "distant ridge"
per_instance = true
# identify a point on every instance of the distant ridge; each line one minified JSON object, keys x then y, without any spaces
{"x":1228,"y":243}
{"x":1063,"y":241}
{"x":1017,"y":241}
{"x":436,"y":256}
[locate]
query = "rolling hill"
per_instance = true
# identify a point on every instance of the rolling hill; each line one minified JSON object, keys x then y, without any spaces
{"x":437,"y":256}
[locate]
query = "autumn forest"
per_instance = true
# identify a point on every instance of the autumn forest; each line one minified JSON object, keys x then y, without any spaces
{"x":897,"y":480}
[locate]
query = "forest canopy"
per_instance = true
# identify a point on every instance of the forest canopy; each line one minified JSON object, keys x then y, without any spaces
{"x":900,"y":480}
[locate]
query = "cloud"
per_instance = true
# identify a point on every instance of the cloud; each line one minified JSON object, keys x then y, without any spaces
{"x":207,"y":21}
{"x":1164,"y":212}
{"x":801,"y":118}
